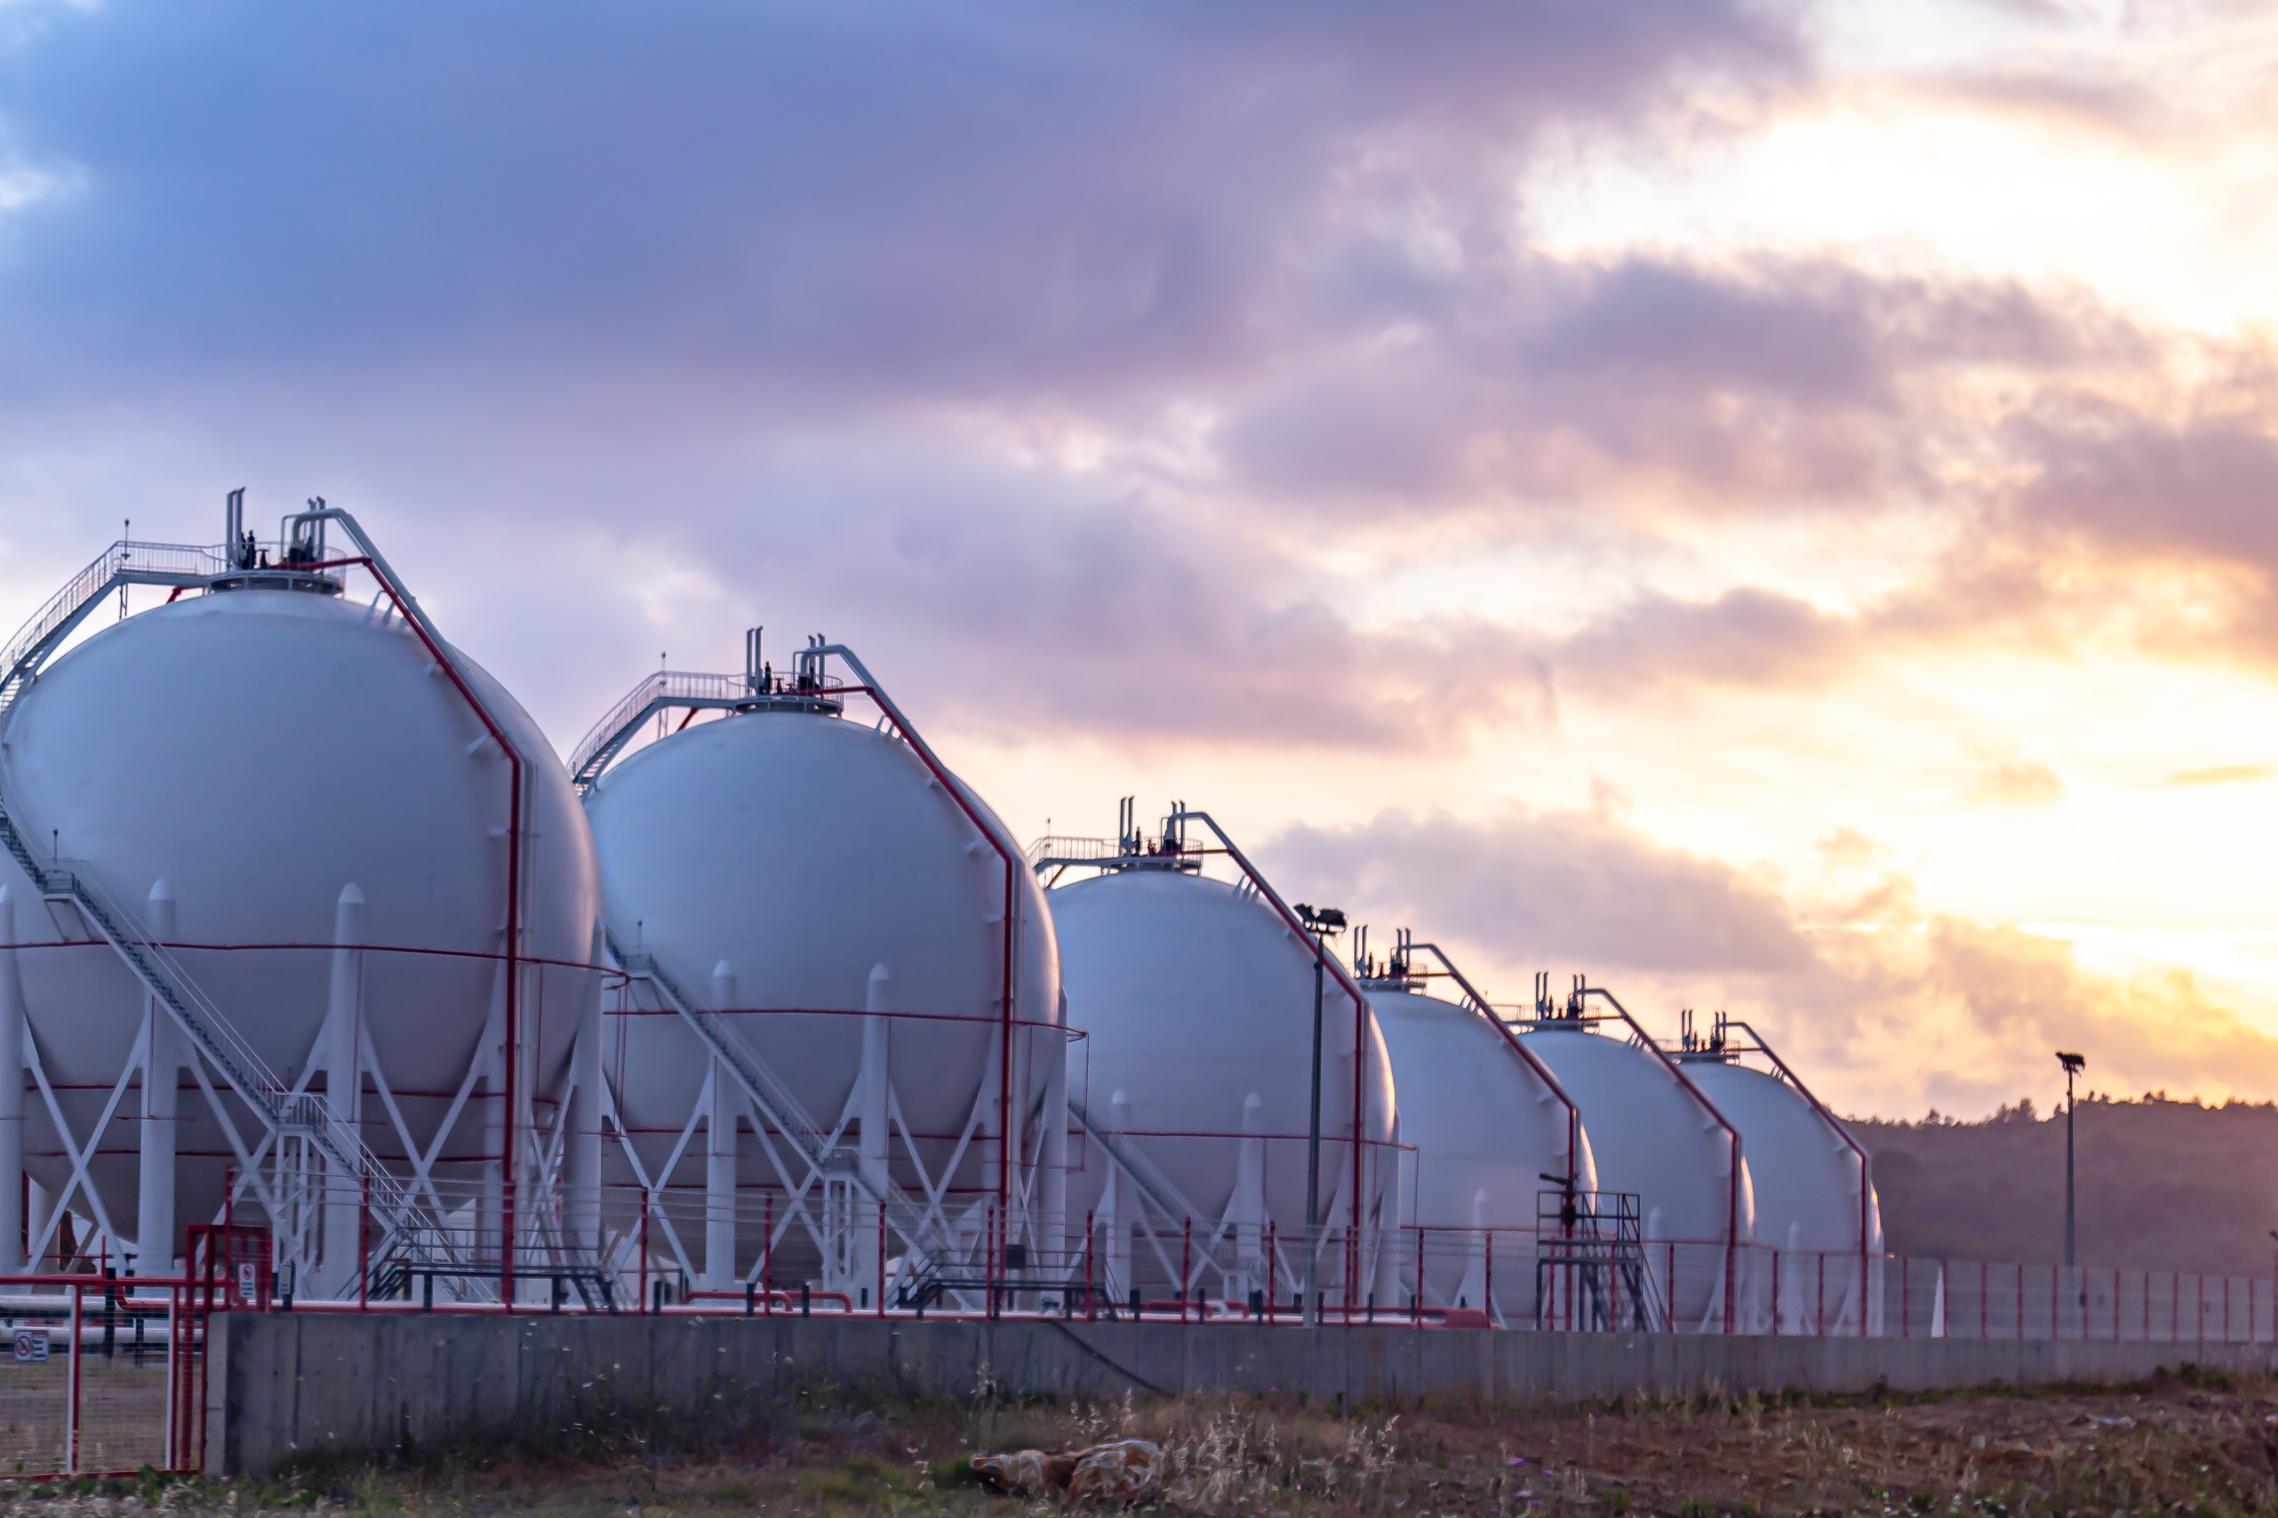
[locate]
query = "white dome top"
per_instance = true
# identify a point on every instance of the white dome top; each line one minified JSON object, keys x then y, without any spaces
{"x":803,"y":850}
{"x":1192,"y":996}
{"x":1806,"y":1178}
{"x":260,"y":750}
{"x":1479,"y":1117}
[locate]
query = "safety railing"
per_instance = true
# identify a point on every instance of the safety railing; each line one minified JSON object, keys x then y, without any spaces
{"x":671,"y":688}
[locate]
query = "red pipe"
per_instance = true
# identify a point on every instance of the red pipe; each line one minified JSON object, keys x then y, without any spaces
{"x":508,"y":1145}
{"x":1732,"y":1206}
{"x":1352,"y":989}
{"x":1866,"y":1178}
{"x":1533,"y":1062}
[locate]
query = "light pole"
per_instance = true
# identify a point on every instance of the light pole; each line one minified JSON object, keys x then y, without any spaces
{"x":1323,"y":923}
{"x":2073,"y":1064}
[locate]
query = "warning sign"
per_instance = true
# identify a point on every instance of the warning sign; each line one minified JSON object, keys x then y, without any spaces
{"x":248,"y":1282}
{"x":31,"y":1346}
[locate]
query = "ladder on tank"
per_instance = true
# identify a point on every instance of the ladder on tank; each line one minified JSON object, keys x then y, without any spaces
{"x":774,"y":1100}
{"x":179,"y":565}
{"x":281,"y":1109}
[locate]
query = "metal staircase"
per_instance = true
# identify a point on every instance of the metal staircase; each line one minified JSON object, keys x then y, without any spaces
{"x":284,"y":1111}
{"x":1590,"y":1245}
{"x":178,"y":565}
{"x":775,"y":1101}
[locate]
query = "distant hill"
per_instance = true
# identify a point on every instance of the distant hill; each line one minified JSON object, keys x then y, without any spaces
{"x":2162,"y":1184}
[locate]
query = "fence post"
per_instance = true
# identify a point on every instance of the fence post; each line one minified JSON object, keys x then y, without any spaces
{"x":2056,"y":1296}
{"x":1272,"y":1260}
{"x":645,"y":1199}
{"x":1416,"y":1293}
{"x":71,"y":1416}
{"x":2020,"y":1299}
{"x":1905,"y":1296}
{"x":881,"y":1259}
{"x":1776,"y":1291}
{"x":1186,"y":1264}
{"x":1489,"y":1292}
{"x":1089,"y":1311}
{"x":363,"y":1241}
{"x":767,"y":1253}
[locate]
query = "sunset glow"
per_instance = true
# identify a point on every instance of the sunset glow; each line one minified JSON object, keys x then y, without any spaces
{"x":1769,"y":504}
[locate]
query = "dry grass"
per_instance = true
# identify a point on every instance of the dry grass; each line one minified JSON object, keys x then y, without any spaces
{"x":2185,"y":1445}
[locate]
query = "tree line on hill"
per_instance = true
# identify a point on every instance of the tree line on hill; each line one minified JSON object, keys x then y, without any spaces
{"x":2162,"y":1183}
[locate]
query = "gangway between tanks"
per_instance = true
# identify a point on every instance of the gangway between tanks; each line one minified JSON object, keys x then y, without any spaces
{"x":296,"y":1127}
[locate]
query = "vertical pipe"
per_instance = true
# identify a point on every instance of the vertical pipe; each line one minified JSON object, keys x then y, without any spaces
{"x":1052,"y":1147}
{"x":154,"y":1224}
{"x":491,"y":1213}
{"x":872,"y":1117}
{"x":14,"y":1188}
{"x":583,"y":1161}
{"x":720,"y":1154}
{"x":71,"y":1433}
{"x":363,"y":1242}
{"x":344,"y":1195}
{"x":1312,"y":1291}
{"x":1186,"y":1264}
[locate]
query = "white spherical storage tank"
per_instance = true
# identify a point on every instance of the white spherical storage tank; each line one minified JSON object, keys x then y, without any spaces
{"x":817,"y":1023}
{"x":1195,"y":1000}
{"x":1488,"y":1132}
{"x":305,"y":822}
{"x":1653,"y":1137}
{"x":1814,"y":1197}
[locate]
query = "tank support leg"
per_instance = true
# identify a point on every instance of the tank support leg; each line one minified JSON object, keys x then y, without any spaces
{"x":871,"y":1140}
{"x":12,"y":1073}
{"x":1052,"y":1148}
{"x":343,"y":1087}
{"x":720,"y":1154}
{"x":582,"y":1212}
{"x":161,"y":1069}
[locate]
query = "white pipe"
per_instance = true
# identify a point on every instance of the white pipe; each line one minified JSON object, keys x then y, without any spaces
{"x":871,"y":1146}
{"x":161,"y":1070}
{"x":582,"y":1215}
{"x":12,"y":1036}
{"x":720,"y":1154}
{"x":1052,"y":1150}
{"x":343,"y":1084}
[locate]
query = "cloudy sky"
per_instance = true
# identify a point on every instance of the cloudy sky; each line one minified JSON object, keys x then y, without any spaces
{"x":1768,"y":504}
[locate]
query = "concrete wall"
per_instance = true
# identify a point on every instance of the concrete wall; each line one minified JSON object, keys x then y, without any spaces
{"x":283,"y":1385}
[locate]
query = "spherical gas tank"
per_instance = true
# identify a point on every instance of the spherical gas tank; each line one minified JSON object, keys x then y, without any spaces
{"x":798,"y":853}
{"x":1487,"y":1131}
{"x":1807,"y":1187}
{"x":254,"y":756}
{"x":1195,"y":1004}
{"x":1650,"y":1136}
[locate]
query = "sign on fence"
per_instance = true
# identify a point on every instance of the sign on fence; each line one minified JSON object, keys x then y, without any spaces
{"x":31,"y":1346}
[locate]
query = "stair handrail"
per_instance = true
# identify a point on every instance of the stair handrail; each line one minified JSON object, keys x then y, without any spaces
{"x":205,"y":1021}
{"x":124,"y":559}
